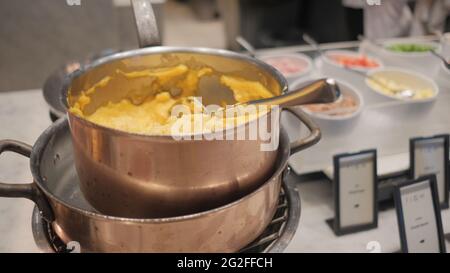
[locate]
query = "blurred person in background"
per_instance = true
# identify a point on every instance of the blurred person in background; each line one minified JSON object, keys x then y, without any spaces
{"x":430,"y":16}
{"x":399,"y":18}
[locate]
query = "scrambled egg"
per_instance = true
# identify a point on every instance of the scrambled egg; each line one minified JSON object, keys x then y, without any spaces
{"x":244,"y":90}
{"x":154,"y":114}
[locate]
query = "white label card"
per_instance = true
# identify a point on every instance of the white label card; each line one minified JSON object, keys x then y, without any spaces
{"x":419,"y":218}
{"x":356,"y":190}
{"x":429,"y":159}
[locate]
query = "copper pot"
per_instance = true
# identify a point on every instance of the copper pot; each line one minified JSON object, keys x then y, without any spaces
{"x":56,"y":192}
{"x":131,"y":175}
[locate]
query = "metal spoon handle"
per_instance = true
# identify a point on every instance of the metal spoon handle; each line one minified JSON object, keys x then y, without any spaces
{"x":370,"y":77}
{"x":246,"y":45}
{"x":438,"y":55}
{"x":312,"y":42}
{"x":441,"y":58}
{"x":363,"y":38}
{"x":320,"y":91}
{"x":365,"y":75}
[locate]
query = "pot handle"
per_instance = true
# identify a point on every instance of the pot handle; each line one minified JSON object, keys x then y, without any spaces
{"x":29,"y":191}
{"x":146,"y":25}
{"x":314,"y":135}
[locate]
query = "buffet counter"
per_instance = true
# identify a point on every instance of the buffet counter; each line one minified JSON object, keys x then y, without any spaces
{"x":24,"y":115}
{"x":384,"y":124}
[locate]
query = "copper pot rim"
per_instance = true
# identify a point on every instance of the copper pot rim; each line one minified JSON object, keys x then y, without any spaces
{"x":161,"y":50}
{"x":44,"y":139}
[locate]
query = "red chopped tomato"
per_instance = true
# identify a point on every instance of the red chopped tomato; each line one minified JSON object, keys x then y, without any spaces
{"x":354,"y":61}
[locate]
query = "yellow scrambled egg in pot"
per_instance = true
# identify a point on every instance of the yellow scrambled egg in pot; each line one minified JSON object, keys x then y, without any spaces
{"x":153,"y":115}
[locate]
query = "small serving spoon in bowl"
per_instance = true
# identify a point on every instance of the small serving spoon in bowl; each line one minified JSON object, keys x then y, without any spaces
{"x":246,"y":45}
{"x":363,"y":38}
{"x":402,"y":93}
{"x":312,"y":42}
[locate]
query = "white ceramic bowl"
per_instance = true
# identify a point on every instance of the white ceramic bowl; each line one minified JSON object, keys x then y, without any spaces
{"x":437,"y":47}
{"x":328,"y":61}
{"x":347,"y":90}
{"x":407,"y":77}
{"x":301,"y":59}
{"x":423,"y":62}
{"x":331,"y":68}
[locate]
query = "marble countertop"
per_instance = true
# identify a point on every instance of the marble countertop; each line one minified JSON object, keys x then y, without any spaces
{"x":24,"y":115}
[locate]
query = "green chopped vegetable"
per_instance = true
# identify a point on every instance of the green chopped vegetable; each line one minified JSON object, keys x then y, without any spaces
{"x":410,"y":48}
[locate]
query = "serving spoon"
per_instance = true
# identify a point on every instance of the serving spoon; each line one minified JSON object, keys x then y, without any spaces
{"x":319,"y":91}
{"x":363,"y":38}
{"x":246,"y":45}
{"x":312,"y":42}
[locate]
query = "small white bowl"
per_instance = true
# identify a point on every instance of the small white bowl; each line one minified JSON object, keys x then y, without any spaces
{"x":333,"y":69}
{"x":328,"y":61}
{"x":346,"y":89}
{"x":409,"y":78}
{"x":386,"y":50}
{"x":296,"y":57}
{"x":423,"y":62}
